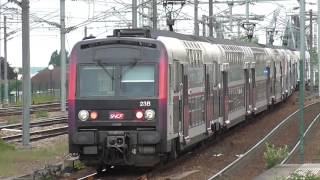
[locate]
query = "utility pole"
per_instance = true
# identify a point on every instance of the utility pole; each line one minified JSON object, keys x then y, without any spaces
{"x":204,"y":25}
{"x":210,"y":18}
{"x":154,"y":14}
{"x":6,"y":100}
{"x":85,"y":31}
{"x":318,"y":47}
{"x":134,"y":13}
{"x":63,"y":56}
{"x":310,"y":49}
{"x":239,"y":29}
{"x":25,"y":71}
{"x":301,"y":82}
{"x":247,"y":11}
{"x":311,"y":29}
{"x":1,"y":100}
{"x":196,"y":22}
{"x":230,"y":4}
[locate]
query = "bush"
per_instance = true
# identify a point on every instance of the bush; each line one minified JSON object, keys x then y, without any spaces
{"x":78,"y":165}
{"x":40,"y":114}
{"x":273,"y":155}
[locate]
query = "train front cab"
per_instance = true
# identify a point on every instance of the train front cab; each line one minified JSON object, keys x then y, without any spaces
{"x":117,"y":101}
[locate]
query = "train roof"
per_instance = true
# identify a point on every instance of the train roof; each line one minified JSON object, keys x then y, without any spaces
{"x":154,"y":34}
{"x":157,"y":33}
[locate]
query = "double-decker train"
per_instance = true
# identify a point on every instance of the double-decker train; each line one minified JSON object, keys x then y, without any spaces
{"x":139,"y":96}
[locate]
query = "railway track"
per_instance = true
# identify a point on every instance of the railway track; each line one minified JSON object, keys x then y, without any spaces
{"x":38,"y":134}
{"x":166,"y":171}
{"x":15,"y":110}
{"x":39,"y":122}
{"x":234,"y":168}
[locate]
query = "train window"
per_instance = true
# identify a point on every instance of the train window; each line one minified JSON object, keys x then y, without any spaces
{"x":260,"y":69}
{"x":235,"y":72}
{"x":96,"y":81}
{"x":137,"y":81}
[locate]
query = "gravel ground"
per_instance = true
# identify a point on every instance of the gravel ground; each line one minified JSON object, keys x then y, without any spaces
{"x":204,"y":162}
{"x":48,"y":143}
{"x":311,"y":147}
{"x":289,"y":136}
{"x":208,"y":161}
{"x":50,"y":114}
{"x":5,"y":119}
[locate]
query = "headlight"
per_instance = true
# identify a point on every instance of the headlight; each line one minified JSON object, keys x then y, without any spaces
{"x":93,"y":115}
{"x":83,"y":115}
{"x":149,"y":114}
{"x":139,"y":115}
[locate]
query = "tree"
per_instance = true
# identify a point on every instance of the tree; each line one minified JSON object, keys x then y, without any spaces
{"x":11,"y":73}
{"x":314,"y":56}
{"x":55,"y":58}
{"x":254,"y":40}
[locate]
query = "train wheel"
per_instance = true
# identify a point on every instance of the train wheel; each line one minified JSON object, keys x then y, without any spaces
{"x":100,"y":168}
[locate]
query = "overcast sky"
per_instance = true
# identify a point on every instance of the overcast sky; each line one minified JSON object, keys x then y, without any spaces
{"x":113,"y":13}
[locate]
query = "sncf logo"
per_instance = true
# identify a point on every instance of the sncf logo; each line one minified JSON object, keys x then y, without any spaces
{"x":116,"y":115}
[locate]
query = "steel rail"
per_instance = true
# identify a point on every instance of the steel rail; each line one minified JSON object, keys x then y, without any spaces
{"x":90,"y":176}
{"x":40,"y":107}
{"x":43,"y":133}
{"x":251,"y":151}
{"x":295,"y":148}
{"x":40,"y":122}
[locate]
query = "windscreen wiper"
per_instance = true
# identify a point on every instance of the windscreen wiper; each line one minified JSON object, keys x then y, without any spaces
{"x":130,"y":67}
{"x":105,"y":70}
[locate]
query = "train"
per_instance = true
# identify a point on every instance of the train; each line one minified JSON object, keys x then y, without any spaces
{"x":140,"y":97}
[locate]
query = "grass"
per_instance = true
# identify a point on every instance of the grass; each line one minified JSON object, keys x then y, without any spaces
{"x":13,"y":160}
{"x":41,"y":99}
{"x":14,"y":119}
{"x":41,"y":114}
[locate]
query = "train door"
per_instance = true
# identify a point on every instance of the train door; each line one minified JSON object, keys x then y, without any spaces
{"x":253,"y":85}
{"x":274,"y":81}
{"x":290,"y":77}
{"x":208,"y":97}
{"x":247,"y":87}
{"x":287,"y":73}
{"x":268,"y":87}
{"x":295,"y":74}
{"x":225,"y":92}
{"x":281,"y":80}
{"x":217,"y":111}
{"x":178,"y":96}
{"x":185,"y":104}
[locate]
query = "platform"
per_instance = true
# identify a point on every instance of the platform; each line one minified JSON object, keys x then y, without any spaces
{"x":284,"y":171}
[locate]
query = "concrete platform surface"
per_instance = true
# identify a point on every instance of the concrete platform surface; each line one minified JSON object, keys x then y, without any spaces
{"x":284,"y":171}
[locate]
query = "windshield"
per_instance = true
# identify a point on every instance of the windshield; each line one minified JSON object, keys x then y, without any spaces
{"x":95,"y":81}
{"x":117,"y":80}
{"x":137,"y":81}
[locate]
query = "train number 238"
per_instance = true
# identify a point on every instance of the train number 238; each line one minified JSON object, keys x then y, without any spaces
{"x":145,"y":103}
